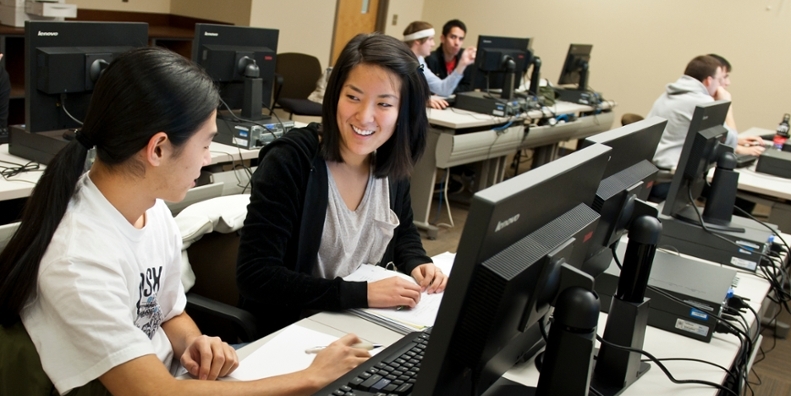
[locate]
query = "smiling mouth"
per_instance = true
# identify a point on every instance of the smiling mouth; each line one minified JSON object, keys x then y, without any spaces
{"x":362,"y":132}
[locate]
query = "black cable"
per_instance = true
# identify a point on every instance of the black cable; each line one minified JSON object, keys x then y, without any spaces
{"x":543,"y":329}
{"x":664,"y":369}
{"x":708,"y":230}
{"x":746,"y":343}
{"x":237,"y":118}
{"x":773,"y":231}
{"x":727,"y":371}
{"x":14,"y":170}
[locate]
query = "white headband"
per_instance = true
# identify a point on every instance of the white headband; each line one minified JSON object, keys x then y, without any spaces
{"x":420,"y":34}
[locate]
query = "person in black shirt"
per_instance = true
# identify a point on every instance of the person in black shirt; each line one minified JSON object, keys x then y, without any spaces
{"x":444,"y":60}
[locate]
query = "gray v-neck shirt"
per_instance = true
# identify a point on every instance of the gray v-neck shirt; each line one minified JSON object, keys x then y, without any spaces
{"x":355,"y":237}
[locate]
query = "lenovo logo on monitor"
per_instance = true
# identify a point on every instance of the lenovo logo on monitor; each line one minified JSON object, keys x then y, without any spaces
{"x":506,"y":222}
{"x":210,"y":34}
{"x":48,"y":34}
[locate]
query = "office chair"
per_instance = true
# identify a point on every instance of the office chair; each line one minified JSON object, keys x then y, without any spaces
{"x":211,"y":240}
{"x":20,"y":368}
{"x":629,"y":118}
{"x":6,"y":232}
{"x":296,"y":79}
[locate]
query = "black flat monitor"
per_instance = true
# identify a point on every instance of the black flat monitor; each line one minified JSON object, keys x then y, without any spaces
{"x":506,"y":272}
{"x":628,"y":179}
{"x":226,"y":52}
{"x":63,"y":61}
{"x":702,"y":147}
{"x":575,"y":67}
{"x":492,"y":62}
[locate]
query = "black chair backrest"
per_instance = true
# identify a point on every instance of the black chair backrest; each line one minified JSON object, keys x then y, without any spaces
{"x":300,"y":73}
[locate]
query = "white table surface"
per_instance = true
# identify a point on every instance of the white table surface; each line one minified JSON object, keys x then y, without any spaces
{"x":457,"y":119}
{"x":21,"y":185}
{"x":722,"y":349}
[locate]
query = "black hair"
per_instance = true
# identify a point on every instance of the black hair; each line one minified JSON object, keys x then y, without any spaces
{"x":724,"y":62}
{"x":398,"y":155}
{"x":143,"y":92}
{"x":452,"y":24}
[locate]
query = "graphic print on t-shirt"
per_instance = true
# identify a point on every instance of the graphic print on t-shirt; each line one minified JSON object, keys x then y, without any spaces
{"x":149,"y":314}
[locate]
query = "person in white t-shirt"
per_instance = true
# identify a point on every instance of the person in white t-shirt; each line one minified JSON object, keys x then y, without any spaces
{"x":93,"y":271}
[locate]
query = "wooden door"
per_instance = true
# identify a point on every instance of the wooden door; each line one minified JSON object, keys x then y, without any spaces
{"x":353,"y":17}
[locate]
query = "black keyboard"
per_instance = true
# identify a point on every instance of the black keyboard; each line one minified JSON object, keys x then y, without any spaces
{"x":391,"y":372}
{"x":743,"y":160}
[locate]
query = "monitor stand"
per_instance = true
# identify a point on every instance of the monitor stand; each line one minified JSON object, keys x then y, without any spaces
{"x":40,"y":147}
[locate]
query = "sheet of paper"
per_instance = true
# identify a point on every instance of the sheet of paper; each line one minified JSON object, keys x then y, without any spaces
{"x":444,"y":261}
{"x":425,"y":313}
{"x":283,"y":354}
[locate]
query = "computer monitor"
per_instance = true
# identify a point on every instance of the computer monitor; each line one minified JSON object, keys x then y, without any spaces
{"x":228,"y":52}
{"x":628,"y":179}
{"x":575,"y":67}
{"x":63,"y":60}
{"x":506,"y":272}
{"x":702,"y":147}
{"x":494,"y":58}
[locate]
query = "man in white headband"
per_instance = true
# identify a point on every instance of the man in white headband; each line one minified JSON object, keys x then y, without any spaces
{"x":419,"y":36}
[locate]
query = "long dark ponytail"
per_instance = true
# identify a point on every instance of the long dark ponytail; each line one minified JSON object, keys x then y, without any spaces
{"x":142,"y":92}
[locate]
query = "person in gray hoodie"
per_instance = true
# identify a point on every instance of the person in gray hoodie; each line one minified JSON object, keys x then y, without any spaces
{"x":701,"y":83}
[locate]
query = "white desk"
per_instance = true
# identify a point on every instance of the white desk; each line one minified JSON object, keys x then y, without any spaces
{"x":765,"y":189}
{"x":721,"y":350}
{"x":21,"y":185}
{"x":458,"y":137}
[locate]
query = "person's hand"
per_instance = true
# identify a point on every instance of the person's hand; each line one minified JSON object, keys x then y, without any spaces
{"x":430,"y":278}
{"x":336,"y":360}
{"x":437,"y":103}
{"x":751,"y":141}
{"x":722,"y":94}
{"x":393,"y":292}
{"x":468,"y":56}
{"x":749,"y":150}
{"x":208,"y":358}
{"x":751,"y":145}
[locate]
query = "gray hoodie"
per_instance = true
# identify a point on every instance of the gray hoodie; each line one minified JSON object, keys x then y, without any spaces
{"x":677,"y":105}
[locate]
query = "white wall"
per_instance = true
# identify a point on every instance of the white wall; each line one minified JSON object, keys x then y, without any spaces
{"x":641,"y":45}
{"x":408,"y":11}
{"x":236,"y":12}
{"x":305,"y":26}
{"x":154,"y":6}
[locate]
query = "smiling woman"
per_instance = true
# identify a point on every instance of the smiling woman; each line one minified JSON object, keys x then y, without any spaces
{"x":329,"y":198}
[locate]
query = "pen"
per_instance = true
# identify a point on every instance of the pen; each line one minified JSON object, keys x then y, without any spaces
{"x":360,"y":345}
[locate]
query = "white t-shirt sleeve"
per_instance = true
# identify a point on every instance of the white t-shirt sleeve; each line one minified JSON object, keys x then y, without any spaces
{"x":95,"y":330}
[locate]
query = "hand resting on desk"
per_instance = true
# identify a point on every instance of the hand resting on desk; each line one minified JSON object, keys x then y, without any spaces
{"x":336,"y":360}
{"x":398,"y":292}
{"x":750,"y":145}
{"x":435,"y":102}
{"x":209,"y":358}
{"x":430,"y":278}
{"x":393,"y":292}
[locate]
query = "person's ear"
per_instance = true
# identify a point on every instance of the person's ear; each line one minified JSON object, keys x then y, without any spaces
{"x":158,"y":145}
